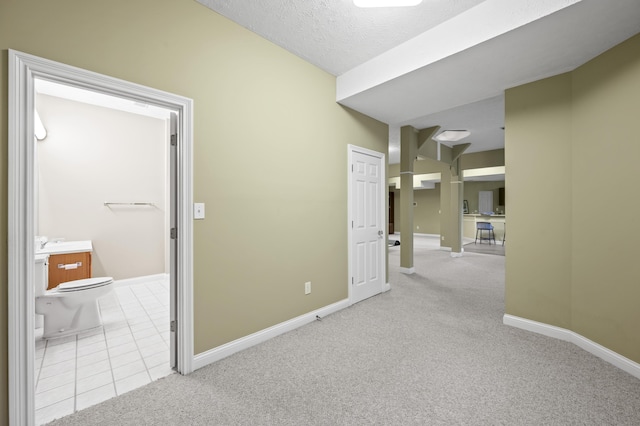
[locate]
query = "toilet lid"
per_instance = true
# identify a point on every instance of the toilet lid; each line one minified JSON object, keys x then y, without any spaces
{"x":84,"y":284}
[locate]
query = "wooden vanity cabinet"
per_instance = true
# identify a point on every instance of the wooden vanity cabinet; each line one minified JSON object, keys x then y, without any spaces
{"x":59,"y":272}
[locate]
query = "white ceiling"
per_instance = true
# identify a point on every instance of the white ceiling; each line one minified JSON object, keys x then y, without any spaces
{"x":335,"y":35}
{"x":444,"y":62}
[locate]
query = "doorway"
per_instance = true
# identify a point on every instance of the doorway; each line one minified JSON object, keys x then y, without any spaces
{"x":102,"y":179}
{"x":367,"y":223}
{"x":24,"y":70}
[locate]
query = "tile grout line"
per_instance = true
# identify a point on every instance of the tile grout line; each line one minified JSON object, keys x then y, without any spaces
{"x":106,"y":344}
{"x":37,"y":378}
{"x":134,"y":337}
{"x":47,"y":341}
{"x":106,"y":340}
{"x":75,"y":379}
{"x":115,"y":388}
{"x":135,"y":341}
{"x":154,"y":326}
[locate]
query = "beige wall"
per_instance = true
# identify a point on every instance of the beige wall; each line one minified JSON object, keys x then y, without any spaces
{"x":571,"y":147}
{"x":270,"y":154}
{"x":606,"y":275}
{"x":92,"y":155}
{"x":477,"y":160}
{"x":426,"y":213}
{"x":538,"y":154}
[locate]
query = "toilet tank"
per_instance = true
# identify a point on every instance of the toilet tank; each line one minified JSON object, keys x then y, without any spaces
{"x":41,"y":278}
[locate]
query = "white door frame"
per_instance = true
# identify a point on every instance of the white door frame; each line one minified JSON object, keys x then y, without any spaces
{"x":383,"y":211}
{"x":23,"y":69}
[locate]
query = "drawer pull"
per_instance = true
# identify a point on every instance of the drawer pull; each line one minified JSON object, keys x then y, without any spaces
{"x":69,"y":265}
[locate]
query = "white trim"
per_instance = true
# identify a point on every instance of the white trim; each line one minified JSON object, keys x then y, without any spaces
{"x":20,"y":211}
{"x":387,"y":287}
{"x":228,"y":349}
{"x":457,"y":254}
{"x":383,"y":196}
{"x":139,"y":280}
{"x":23,"y":69}
{"x":590,"y":346}
{"x":407,"y":271}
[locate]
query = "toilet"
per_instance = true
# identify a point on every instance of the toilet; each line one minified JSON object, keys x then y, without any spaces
{"x":71,"y":307}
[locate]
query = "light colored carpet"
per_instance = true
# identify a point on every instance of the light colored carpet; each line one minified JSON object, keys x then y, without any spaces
{"x":484,"y":248}
{"x":432,"y":351}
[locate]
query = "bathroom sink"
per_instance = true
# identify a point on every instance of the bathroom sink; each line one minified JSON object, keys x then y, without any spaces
{"x":62,"y":247}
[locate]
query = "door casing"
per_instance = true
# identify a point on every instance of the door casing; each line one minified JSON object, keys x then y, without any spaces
{"x":23,"y":70}
{"x":382,"y":206}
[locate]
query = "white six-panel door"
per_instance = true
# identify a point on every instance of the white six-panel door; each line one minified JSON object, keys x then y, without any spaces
{"x":367,"y":236}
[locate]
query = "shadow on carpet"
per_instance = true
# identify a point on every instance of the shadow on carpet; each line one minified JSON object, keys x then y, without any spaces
{"x":496,"y":249}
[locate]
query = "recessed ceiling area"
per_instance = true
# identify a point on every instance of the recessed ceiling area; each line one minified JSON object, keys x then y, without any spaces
{"x":442,"y":62}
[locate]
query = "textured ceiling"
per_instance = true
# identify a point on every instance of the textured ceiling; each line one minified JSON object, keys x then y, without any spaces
{"x":335,"y":35}
{"x":444,"y":62}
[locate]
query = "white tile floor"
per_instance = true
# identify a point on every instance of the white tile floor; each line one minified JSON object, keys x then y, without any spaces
{"x":130,"y":350}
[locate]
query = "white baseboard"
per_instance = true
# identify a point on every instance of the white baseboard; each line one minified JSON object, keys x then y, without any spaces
{"x":216,"y":354}
{"x":386,"y":287}
{"x":457,"y":254}
{"x":407,"y":271}
{"x":140,"y":280}
{"x":590,"y":346}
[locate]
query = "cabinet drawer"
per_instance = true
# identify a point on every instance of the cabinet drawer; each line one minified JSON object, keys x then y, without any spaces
{"x":68,"y":267}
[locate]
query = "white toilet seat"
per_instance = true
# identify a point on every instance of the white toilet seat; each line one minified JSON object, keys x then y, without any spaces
{"x":84,"y":284}
{"x":72,"y":306}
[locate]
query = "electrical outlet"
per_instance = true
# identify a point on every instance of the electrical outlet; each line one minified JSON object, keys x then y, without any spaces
{"x":307,"y":287}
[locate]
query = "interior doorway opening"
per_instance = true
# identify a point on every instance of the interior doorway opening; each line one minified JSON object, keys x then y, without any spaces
{"x":102,"y":180}
{"x":24,"y":70}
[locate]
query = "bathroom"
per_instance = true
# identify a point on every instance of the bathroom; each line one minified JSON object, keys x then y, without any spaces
{"x":102,"y":183}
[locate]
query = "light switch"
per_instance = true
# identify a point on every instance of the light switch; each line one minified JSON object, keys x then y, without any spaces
{"x":198,"y":210}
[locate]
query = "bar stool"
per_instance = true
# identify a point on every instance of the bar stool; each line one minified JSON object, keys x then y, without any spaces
{"x":481,"y":228}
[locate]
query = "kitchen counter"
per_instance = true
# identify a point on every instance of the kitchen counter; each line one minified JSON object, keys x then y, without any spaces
{"x":497,"y":220}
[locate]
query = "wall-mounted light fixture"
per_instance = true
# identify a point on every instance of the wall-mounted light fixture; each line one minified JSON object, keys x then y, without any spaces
{"x":386,"y":3}
{"x":39,"y":129}
{"x":452,"y":135}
